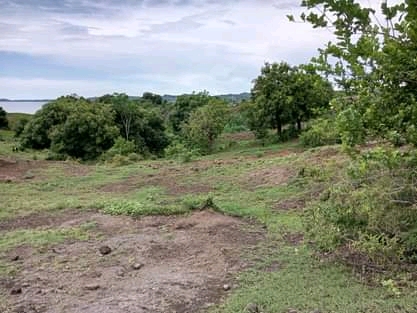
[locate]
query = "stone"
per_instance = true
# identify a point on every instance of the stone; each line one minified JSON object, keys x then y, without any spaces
{"x":226,"y":287}
{"x":16,"y":291}
{"x":15,"y":258}
{"x":104,"y":250}
{"x":92,"y":287}
{"x":137,"y":266}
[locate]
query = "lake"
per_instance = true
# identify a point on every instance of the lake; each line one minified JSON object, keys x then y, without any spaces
{"x":21,"y":107}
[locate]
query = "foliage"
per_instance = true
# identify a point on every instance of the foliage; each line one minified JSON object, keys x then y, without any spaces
{"x":283,"y":94}
{"x":373,"y":210}
{"x":237,"y":121}
{"x":374,"y":61}
{"x":179,"y":151}
{"x":36,"y":134}
{"x":205,"y":124}
{"x":138,"y":122}
{"x":321,"y":131}
{"x":4,"y":122}
{"x":183,"y":107}
{"x":87,"y":132}
{"x":122,"y":146}
{"x":19,"y":126}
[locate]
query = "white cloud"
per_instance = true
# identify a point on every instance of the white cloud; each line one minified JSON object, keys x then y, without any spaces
{"x":193,"y":46}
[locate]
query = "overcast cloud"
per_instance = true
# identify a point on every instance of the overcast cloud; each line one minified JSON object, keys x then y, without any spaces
{"x":49,"y":48}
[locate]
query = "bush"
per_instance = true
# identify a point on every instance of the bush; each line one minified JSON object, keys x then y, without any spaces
{"x":178,"y":151}
{"x":320,"y":132}
{"x":373,"y":210}
{"x":122,"y":147}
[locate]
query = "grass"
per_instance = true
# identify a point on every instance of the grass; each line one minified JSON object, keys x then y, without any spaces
{"x":299,"y":280}
{"x":43,"y":237}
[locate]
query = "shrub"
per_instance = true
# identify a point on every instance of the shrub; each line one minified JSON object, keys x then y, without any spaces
{"x":320,"y":132}
{"x":373,"y":210}
{"x":122,"y":147}
{"x":178,"y":151}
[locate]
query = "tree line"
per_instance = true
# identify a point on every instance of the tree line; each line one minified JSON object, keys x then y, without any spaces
{"x":282,"y":96}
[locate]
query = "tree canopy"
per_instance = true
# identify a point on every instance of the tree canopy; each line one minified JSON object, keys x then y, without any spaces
{"x":374,"y":61}
{"x":284,"y":94}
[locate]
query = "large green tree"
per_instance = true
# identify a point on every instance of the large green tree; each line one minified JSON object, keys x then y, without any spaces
{"x":36,"y":134}
{"x":87,"y":132}
{"x":284,"y":94}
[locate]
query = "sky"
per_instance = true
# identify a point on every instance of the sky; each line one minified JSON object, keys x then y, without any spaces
{"x":50,"y":48}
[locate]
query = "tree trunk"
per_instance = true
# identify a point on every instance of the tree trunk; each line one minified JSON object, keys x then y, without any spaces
{"x":299,"y":124}
{"x":279,"y":128}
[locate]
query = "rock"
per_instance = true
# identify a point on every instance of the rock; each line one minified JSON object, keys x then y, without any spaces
{"x":226,"y":287}
{"x":15,"y":258}
{"x":104,"y":250}
{"x":137,"y":266}
{"x":292,"y":311}
{"x":120,"y":272}
{"x":316,"y":311}
{"x":92,"y":287}
{"x":252,"y":308}
{"x":16,"y":291}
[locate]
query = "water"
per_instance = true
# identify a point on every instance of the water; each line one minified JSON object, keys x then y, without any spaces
{"x":21,"y":107}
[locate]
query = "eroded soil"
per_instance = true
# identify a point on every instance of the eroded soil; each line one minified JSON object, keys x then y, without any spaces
{"x":186,"y":261}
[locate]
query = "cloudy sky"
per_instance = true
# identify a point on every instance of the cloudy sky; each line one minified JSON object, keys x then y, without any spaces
{"x":50,"y":48}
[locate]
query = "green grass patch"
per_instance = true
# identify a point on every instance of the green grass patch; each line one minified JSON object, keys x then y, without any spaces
{"x":291,"y":278}
{"x":43,"y":237}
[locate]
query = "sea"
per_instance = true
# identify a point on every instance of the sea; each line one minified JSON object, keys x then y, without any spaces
{"x":21,"y":107}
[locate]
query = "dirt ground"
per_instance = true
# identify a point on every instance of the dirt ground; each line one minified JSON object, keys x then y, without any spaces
{"x":156,"y":264}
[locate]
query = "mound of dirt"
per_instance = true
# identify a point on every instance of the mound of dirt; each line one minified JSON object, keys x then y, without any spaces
{"x":156,"y":264}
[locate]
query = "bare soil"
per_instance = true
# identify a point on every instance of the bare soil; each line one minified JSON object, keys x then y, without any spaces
{"x":186,"y":261}
{"x":13,"y":170}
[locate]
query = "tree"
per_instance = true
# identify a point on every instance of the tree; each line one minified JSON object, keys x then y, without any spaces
{"x":4,"y":123}
{"x":36,"y":134}
{"x":285,"y":94}
{"x":153,"y":98}
{"x":126,"y":112}
{"x":374,"y":60}
{"x":87,"y":131}
{"x":310,"y":93}
{"x":205,"y":124}
{"x":183,"y":107}
{"x":20,"y":125}
{"x":139,"y":121}
{"x":271,"y":94}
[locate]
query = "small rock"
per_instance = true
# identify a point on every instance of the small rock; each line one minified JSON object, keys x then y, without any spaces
{"x":252,"y":308}
{"x":292,"y":311}
{"x":137,"y":266}
{"x":92,"y":287}
{"x":226,"y":287}
{"x":15,"y":258}
{"x":316,"y":311}
{"x":25,"y":285}
{"x":104,"y":250}
{"x":120,"y":272}
{"x":16,"y":291}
